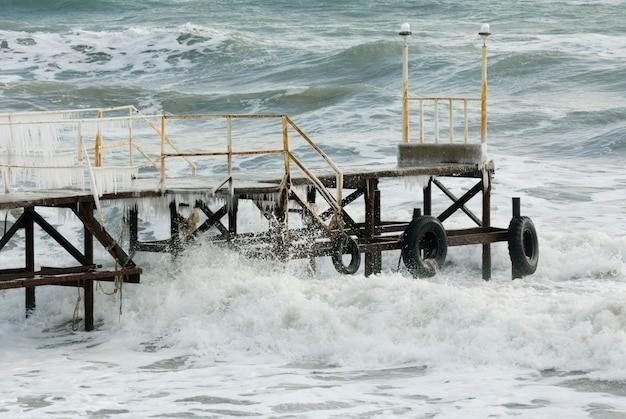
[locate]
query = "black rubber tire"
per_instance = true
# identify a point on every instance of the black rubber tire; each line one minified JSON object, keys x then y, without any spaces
{"x":523,"y":246}
{"x":345,"y":244}
{"x":425,"y":246}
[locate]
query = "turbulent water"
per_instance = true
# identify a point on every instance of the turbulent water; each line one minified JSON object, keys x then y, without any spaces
{"x":212,"y":334}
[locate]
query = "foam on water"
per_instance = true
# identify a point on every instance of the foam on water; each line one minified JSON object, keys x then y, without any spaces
{"x":214,"y":334}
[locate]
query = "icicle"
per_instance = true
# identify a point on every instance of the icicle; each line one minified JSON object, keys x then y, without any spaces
{"x":411,"y":181}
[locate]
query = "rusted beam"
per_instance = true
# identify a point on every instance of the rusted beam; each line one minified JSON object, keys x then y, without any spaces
{"x":88,"y":304}
{"x":29,"y":252}
{"x":233,"y":208}
{"x":88,"y":283}
{"x":213,"y":219}
{"x":56,"y":236}
{"x":85,"y":214}
{"x":486,"y":188}
{"x":453,"y":197}
{"x":11,"y":232}
{"x":175,"y":244}
{"x":373,"y":258}
{"x":427,"y":194}
{"x":133,"y":228}
{"x":460,"y":202}
{"x":347,"y":200}
{"x":128,"y":273}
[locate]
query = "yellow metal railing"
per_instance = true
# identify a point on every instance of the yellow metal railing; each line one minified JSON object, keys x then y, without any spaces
{"x":228,"y":150}
{"x":405,"y":33}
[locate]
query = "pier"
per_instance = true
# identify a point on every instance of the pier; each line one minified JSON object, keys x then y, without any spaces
{"x":201,"y":170}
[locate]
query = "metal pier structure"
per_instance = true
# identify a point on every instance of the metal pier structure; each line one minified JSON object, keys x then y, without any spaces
{"x":203,"y":169}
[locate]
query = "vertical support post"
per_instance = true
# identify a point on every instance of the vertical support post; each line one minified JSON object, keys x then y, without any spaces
{"x":517,"y":213}
{"x":427,"y":192}
{"x":29,"y":251}
{"x":133,"y":227}
{"x":174,"y":228}
{"x":88,"y":304}
{"x":373,"y":259}
{"x":233,"y":208}
{"x":311,"y":194}
{"x":486,"y":224}
{"x":517,"y":210}
{"x":405,"y":32}
{"x":88,"y":283}
{"x":282,"y":211}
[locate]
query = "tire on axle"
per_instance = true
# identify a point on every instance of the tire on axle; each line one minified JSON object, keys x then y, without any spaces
{"x":424,"y":247}
{"x":523,"y":246}
{"x":346,"y":245}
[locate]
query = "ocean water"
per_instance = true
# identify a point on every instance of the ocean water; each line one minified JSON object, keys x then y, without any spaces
{"x":212,"y":334}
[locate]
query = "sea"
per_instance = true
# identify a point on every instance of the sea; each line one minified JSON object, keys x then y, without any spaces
{"x":213,"y":334}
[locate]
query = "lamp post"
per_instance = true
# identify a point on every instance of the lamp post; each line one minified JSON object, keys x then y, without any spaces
{"x":405,"y":32}
{"x":484,"y":34}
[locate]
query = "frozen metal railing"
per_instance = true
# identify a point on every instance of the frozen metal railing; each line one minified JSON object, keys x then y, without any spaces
{"x":75,"y":148}
{"x":228,"y":150}
{"x":62,"y":149}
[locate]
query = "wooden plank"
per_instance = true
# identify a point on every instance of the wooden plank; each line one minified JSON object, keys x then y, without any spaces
{"x":41,"y":280}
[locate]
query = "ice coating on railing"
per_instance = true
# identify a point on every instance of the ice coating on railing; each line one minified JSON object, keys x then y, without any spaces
{"x":49,"y":150}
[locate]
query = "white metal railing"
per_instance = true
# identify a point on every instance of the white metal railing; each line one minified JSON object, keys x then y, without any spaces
{"x":450,"y":105}
{"x":63,"y":149}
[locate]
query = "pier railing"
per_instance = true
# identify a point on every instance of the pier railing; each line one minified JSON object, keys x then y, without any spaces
{"x":97,"y":148}
{"x":452,"y":103}
{"x":446,"y":119}
{"x":103,"y":149}
{"x":274,"y":136}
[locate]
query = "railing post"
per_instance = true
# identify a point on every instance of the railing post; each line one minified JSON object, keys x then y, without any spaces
{"x":130,"y":136}
{"x":98,"y":145}
{"x":7,"y":174}
{"x":229,"y":158}
{"x":451,"y":119}
{"x":162,"y":165}
{"x":229,"y":144}
{"x":286,"y":150}
{"x":436,"y":120}
{"x":405,"y":32}
{"x":466,"y":122}
{"x":421,"y":121}
{"x":484,"y":33}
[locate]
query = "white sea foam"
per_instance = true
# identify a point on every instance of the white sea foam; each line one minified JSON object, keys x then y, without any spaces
{"x":214,"y":334}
